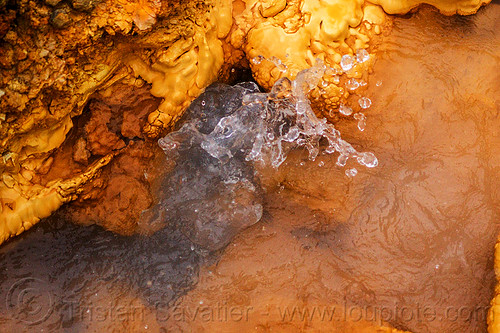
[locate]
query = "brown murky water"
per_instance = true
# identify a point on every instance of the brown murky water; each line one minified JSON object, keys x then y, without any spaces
{"x":408,"y":244}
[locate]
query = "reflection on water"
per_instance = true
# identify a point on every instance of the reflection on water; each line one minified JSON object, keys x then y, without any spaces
{"x":61,"y":276}
{"x":409,"y":243}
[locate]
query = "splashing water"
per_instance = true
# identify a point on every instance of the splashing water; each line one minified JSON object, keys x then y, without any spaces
{"x":275,"y":60}
{"x":364,"y":102}
{"x":258,"y":60}
{"x":279,"y":64}
{"x":347,"y":63}
{"x":361,"y":118}
{"x":208,"y":199}
{"x":352,"y":84}
{"x":268,"y":125}
{"x":213,"y":192}
{"x":362,"y":55}
{"x":345,"y":110}
{"x":351,"y":172}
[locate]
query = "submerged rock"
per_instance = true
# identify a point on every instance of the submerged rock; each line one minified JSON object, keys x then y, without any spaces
{"x":210,"y":201}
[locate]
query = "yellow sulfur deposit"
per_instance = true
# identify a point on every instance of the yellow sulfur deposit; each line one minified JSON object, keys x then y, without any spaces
{"x":180,"y":72}
{"x":23,"y":206}
{"x":494,"y":312}
{"x":447,"y":7}
{"x":303,"y":32}
{"x":45,"y":85}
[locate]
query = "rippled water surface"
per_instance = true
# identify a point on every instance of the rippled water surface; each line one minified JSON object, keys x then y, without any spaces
{"x":407,"y":244}
{"x":62,"y":277}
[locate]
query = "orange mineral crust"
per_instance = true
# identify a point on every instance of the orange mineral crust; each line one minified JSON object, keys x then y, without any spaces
{"x":318,"y":244}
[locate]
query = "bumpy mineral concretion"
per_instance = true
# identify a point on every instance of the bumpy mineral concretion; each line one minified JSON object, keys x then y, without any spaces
{"x":57,"y":55}
{"x":494,"y":312}
{"x":446,"y":7}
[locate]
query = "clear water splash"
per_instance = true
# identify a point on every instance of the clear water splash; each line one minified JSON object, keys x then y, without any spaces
{"x":362,"y":55}
{"x":268,"y":125}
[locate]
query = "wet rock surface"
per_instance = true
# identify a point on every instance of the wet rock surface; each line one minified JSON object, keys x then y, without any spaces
{"x":110,"y":124}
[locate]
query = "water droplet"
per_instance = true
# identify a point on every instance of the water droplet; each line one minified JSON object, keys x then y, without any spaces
{"x":352,"y":84}
{"x":167,"y":144}
{"x":347,"y":63}
{"x":203,"y":103}
{"x":292,"y":134}
{"x":279,"y":64}
{"x":351,"y":172}
{"x":379,"y":83}
{"x":368,"y":159}
{"x":361,"y":125}
{"x":329,"y":71}
{"x":362,"y":55}
{"x":342,"y":160}
{"x":361,"y":121}
{"x":257,"y":98}
{"x":320,"y":164}
{"x":365,"y":102}
{"x":281,"y":89}
{"x":345,"y":110}
{"x":258,"y":59}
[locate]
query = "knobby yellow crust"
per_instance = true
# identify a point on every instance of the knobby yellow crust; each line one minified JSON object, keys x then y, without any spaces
{"x":45,"y":85}
{"x":180,"y":72}
{"x":446,"y":7}
{"x":49,"y":71}
{"x":39,"y":201}
{"x":303,"y":32}
{"x":494,"y":311}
